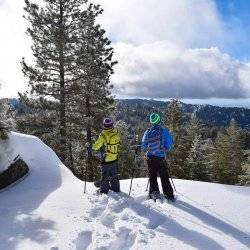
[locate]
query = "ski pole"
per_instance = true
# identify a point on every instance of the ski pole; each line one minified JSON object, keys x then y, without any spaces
{"x":131,"y":182}
{"x":173,"y":184}
{"x":137,"y":148}
{"x":135,"y":163}
{"x":169,"y":173}
{"x":145,"y":163}
{"x":147,"y":185}
{"x":85,"y":177}
{"x":85,"y":180}
{"x":171,"y":179}
{"x":86,"y":169}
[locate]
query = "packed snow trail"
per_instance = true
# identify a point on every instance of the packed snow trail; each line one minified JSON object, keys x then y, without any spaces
{"x":119,"y":222}
{"x":48,"y":210}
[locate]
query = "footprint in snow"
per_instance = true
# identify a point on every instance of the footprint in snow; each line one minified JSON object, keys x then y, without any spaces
{"x":125,"y":239}
{"x":83,"y":240}
{"x":145,"y":235}
{"x":107,"y":219}
{"x":118,"y":206}
{"x":127,"y":216}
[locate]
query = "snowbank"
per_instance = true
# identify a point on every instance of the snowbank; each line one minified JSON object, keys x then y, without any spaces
{"x":48,"y":210}
{"x":18,"y":204}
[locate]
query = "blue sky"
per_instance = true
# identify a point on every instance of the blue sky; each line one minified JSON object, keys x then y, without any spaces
{"x":236,"y":14}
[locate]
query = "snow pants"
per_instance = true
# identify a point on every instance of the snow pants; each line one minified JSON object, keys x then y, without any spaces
{"x":157,"y":165}
{"x":109,"y":180}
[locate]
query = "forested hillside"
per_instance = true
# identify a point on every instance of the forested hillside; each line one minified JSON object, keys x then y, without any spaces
{"x":210,"y":143}
{"x":134,"y":110}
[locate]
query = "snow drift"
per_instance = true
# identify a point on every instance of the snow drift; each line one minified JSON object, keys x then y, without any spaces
{"x":48,"y":210}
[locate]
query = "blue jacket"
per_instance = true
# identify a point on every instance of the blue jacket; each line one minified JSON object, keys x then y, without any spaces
{"x":167,"y":142}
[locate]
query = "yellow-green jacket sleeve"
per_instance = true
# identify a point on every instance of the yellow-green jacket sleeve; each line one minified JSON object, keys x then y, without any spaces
{"x":97,"y":145}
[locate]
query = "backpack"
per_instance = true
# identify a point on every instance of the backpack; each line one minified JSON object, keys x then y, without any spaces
{"x":112,"y":142}
{"x":154,"y":140}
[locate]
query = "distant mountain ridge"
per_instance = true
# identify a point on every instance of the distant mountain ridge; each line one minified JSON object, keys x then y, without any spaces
{"x":139,"y":109}
{"x":208,"y":114}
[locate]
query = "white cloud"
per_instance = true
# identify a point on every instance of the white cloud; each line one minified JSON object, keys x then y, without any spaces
{"x":162,"y":70}
{"x":171,"y":48}
{"x":183,"y":22}
{"x":244,"y":76}
{"x":164,"y":48}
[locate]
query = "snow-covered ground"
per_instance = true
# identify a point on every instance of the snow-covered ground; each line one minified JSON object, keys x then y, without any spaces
{"x":48,"y":210}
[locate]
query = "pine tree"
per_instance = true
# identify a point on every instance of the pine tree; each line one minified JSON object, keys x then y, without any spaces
{"x":209,"y":156}
{"x":69,"y":83}
{"x":91,"y":96}
{"x":193,"y":128}
{"x":192,"y":140}
{"x":126,"y":154}
{"x":197,"y":160}
{"x":244,"y":178}
{"x":173,"y":117}
{"x":237,"y":144}
{"x":53,"y":32}
{"x":6,"y":119}
{"x":228,"y":155}
{"x":179,"y":153}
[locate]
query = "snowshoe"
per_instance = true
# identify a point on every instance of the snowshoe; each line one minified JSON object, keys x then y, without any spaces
{"x":155,"y":196}
{"x":171,"y":198}
{"x":98,"y":191}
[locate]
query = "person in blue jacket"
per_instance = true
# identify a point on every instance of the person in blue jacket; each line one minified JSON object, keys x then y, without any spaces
{"x":156,"y":141}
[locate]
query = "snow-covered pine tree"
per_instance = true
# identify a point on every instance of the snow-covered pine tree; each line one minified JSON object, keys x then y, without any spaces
{"x":244,"y":179}
{"x":228,"y":155}
{"x":194,"y":128}
{"x":196,"y":166}
{"x":126,"y":153}
{"x":179,"y":153}
{"x":237,"y":154}
{"x":6,"y":119}
{"x":3,"y":127}
{"x":197,"y":160}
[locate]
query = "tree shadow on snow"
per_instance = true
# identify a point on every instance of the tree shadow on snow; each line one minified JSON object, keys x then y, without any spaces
{"x":215,"y":222}
{"x":18,"y":220}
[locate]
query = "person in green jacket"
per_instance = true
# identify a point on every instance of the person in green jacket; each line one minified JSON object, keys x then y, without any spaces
{"x":108,"y":143}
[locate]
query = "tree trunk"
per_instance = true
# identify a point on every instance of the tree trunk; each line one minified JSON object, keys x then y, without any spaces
{"x":62,"y":111}
{"x":89,"y":140}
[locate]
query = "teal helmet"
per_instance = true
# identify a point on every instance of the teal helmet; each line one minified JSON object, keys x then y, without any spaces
{"x":155,"y":119}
